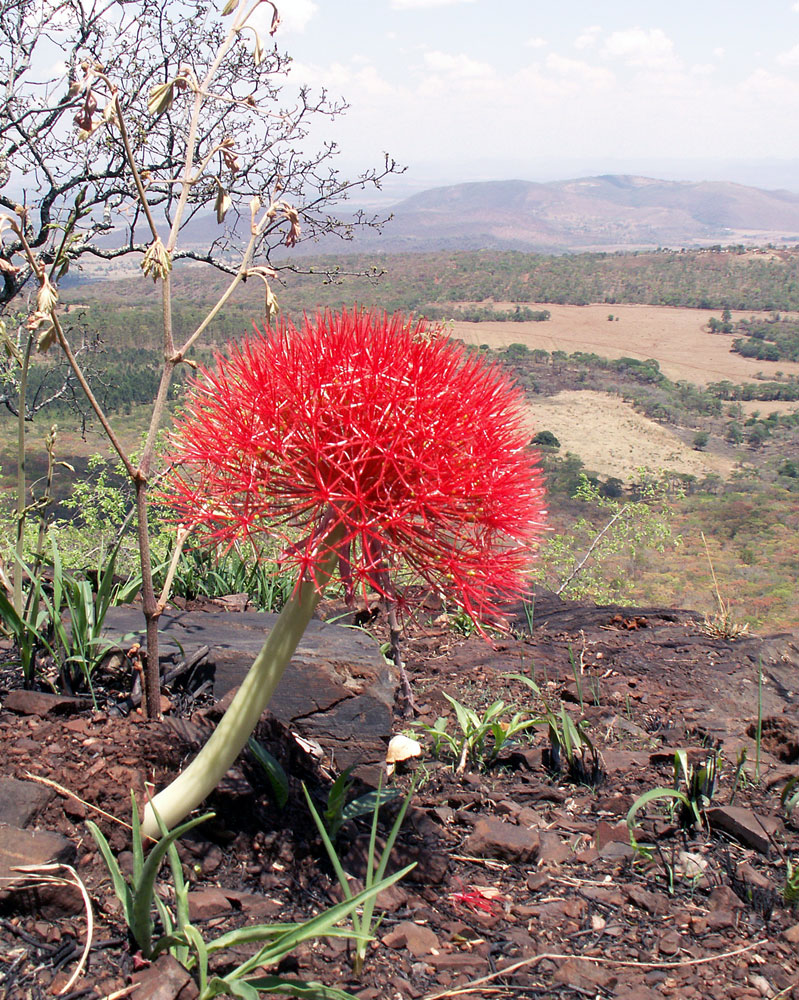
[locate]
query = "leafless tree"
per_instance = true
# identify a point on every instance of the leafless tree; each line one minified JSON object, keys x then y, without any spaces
{"x":121,"y":122}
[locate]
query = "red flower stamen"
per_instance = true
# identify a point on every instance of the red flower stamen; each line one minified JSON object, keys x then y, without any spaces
{"x":414,"y":448}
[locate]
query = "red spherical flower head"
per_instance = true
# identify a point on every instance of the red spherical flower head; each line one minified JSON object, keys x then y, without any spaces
{"x":374,"y":431}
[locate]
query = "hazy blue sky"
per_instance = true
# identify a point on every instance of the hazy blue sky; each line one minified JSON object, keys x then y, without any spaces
{"x":481,"y":89}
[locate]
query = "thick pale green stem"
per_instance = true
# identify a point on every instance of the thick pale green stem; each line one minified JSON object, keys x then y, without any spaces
{"x":229,"y":738}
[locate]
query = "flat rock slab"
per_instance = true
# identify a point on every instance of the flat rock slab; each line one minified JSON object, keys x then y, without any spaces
{"x":31,"y":847}
{"x":338,"y":689}
{"x":20,"y":801}
{"x":43,"y":703}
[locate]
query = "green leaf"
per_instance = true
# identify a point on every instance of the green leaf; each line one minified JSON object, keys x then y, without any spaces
{"x":141,"y":923}
{"x":651,"y":796}
{"x":293,"y":988}
{"x":121,"y":887}
{"x":274,"y":772}
{"x":367,"y":803}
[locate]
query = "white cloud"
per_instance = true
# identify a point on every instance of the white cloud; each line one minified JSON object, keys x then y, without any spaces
{"x":576,"y":71}
{"x":460,"y":67}
{"x":536,"y":43}
{"x":423,"y":4}
{"x":294,"y":16}
{"x":587,"y":37}
{"x":789,"y":58}
{"x":639,"y":47}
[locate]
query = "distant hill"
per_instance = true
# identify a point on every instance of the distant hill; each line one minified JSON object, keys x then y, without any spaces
{"x":610,"y":212}
{"x":590,"y":213}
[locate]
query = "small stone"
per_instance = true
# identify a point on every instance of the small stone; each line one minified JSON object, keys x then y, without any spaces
{"x":212,"y":859}
{"x":41,"y":703}
{"x":670,"y":943}
{"x":607,"y":833}
{"x":493,"y":838}
{"x":791,"y":934}
{"x":551,"y":849}
{"x":584,"y":976}
{"x":418,"y":939}
{"x":615,"y":849}
{"x":205,"y":903}
{"x":652,"y":902}
{"x":31,"y":847}
{"x":723,"y":898}
{"x":20,"y":801}
{"x":720,"y":919}
{"x":164,"y":979}
{"x":744,"y":825}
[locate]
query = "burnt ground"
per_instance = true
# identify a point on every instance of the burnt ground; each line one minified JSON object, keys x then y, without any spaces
{"x":525,"y":882}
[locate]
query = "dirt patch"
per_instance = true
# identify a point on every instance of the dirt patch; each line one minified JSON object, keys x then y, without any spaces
{"x":526,"y":883}
{"x":613,"y":440}
{"x":677,"y":339}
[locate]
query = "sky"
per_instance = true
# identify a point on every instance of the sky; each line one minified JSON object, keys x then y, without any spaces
{"x":469,"y":90}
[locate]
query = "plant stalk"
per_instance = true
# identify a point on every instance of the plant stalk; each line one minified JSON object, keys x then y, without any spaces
{"x":229,"y":738}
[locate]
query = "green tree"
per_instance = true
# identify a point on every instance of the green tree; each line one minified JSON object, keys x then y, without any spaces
{"x":700,"y":440}
{"x":599,"y":556}
{"x":546,"y":439}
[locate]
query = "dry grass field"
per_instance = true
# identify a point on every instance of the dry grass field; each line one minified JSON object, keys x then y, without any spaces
{"x":677,"y":338}
{"x":613,"y":440}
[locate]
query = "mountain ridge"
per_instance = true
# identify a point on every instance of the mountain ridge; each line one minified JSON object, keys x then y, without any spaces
{"x":605,"y":212}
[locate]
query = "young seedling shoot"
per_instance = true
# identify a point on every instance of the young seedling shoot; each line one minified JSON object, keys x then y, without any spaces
{"x":362,"y":443}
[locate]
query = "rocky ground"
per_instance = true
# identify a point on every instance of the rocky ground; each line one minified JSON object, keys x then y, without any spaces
{"x":525,"y":885}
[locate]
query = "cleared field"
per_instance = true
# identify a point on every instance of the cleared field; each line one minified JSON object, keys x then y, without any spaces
{"x":613,"y":440}
{"x":676,"y":338}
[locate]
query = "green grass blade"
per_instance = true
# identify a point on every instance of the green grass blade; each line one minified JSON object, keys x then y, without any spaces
{"x":121,"y":888}
{"x":278,"y":779}
{"x":292,"y":988}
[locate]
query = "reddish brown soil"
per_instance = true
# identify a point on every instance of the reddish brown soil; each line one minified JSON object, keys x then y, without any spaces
{"x":560,"y":908}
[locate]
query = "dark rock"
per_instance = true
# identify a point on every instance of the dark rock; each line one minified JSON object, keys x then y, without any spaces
{"x":418,"y":939}
{"x":670,"y":943}
{"x":493,"y":838}
{"x":31,"y":847}
{"x":42,"y":703}
{"x":338,"y":689}
{"x":22,"y":848}
{"x":744,"y":825}
{"x":552,"y":849}
{"x":164,"y":979}
{"x":20,"y":801}
{"x":584,"y":976}
{"x":652,"y":902}
{"x":210,"y":902}
{"x":607,"y":833}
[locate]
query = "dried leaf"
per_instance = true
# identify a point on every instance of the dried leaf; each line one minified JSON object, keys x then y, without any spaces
{"x":222,"y":203}
{"x":293,"y":235}
{"x":272,"y":307}
{"x":257,"y":52}
{"x":275,"y":19}
{"x":229,"y":7}
{"x":231,"y":160}
{"x":84,"y":118}
{"x":161,"y":97}
{"x":6,"y":267}
{"x":47,"y":297}
{"x":46,"y":337}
